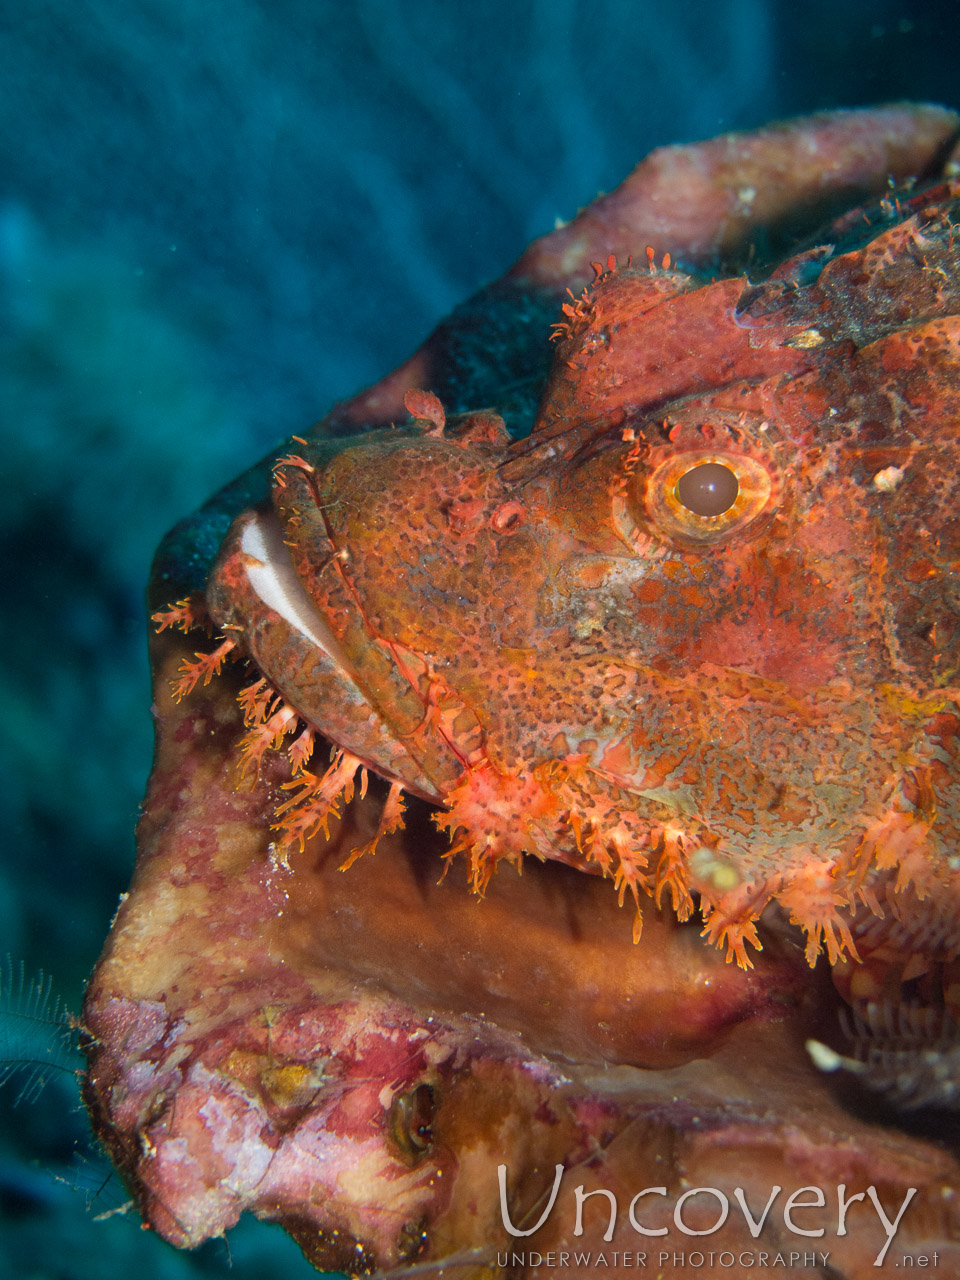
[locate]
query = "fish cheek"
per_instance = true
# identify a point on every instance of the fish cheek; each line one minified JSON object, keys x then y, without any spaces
{"x":921,"y":539}
{"x":672,"y":604}
{"x":583,"y":501}
{"x":293,"y":645}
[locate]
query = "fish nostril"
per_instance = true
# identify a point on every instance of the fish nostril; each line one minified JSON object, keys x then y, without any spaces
{"x":709,"y":489}
{"x":508,"y":518}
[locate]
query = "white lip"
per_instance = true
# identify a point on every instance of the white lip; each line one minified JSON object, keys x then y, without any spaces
{"x":272,"y":577}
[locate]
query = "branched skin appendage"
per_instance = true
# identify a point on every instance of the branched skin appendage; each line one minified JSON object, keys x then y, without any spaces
{"x":270,"y":721}
{"x":185,"y":615}
{"x":697,"y":633}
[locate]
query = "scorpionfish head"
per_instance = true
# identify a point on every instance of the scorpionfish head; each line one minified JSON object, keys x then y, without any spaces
{"x":698,"y":632}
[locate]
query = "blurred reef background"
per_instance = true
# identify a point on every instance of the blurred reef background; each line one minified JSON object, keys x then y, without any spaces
{"x":218,"y":217}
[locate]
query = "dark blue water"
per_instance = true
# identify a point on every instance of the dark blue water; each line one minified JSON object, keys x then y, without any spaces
{"x":216,"y":218}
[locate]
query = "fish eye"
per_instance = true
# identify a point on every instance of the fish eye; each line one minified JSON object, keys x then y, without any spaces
{"x":703,"y":496}
{"x":708,"y":489}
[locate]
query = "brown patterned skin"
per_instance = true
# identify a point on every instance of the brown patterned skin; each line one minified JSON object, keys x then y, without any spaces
{"x":543,"y":639}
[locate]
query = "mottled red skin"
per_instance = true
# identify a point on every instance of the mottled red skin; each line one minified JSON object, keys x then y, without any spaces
{"x":354,"y":1054}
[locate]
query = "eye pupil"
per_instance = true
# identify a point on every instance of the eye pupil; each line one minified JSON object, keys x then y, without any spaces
{"x":708,"y":489}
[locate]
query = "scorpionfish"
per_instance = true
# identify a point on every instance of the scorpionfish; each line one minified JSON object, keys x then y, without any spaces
{"x":697,"y":632}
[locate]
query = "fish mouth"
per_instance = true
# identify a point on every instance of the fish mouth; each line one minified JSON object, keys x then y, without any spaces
{"x":274,"y":580}
{"x":254,"y":590}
